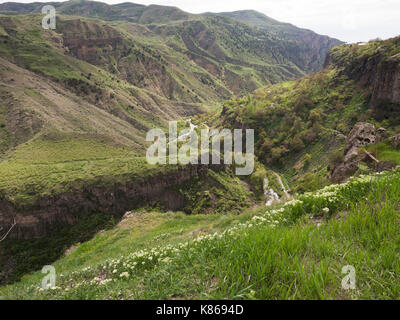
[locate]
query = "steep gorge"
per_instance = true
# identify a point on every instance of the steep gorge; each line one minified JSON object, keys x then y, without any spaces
{"x":36,"y":220}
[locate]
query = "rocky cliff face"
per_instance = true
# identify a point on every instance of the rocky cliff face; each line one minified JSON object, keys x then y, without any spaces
{"x":37,"y":220}
{"x":89,"y":41}
{"x":106,"y":47}
{"x":376,"y":67}
{"x":386,"y":87}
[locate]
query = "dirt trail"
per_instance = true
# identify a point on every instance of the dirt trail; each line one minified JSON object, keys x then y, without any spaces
{"x":287,"y":195}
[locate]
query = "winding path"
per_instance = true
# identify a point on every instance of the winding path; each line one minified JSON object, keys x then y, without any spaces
{"x":287,"y":195}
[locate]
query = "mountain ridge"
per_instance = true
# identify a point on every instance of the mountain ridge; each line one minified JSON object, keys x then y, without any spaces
{"x":188,"y":64}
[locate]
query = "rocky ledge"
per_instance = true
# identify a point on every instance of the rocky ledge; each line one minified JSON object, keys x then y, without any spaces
{"x":361,"y":135}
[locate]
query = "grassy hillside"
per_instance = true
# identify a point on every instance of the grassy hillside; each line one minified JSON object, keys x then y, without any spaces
{"x":295,"y":251}
{"x":102,"y":178}
{"x":46,"y":167}
{"x":65,"y":120}
{"x":44,"y":88}
{"x":299,"y":124}
{"x":301,"y":39}
{"x":123,"y":11}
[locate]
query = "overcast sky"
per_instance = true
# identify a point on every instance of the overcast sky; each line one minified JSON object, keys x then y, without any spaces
{"x":347,"y":20}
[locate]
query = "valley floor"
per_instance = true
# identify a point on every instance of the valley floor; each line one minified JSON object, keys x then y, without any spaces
{"x":292,"y":251}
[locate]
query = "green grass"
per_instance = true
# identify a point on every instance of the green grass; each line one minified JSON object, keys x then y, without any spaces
{"x":55,"y":163}
{"x":24,"y":183}
{"x":385,"y":152}
{"x":56,"y":148}
{"x":29,"y":49}
{"x":262,"y":254}
{"x":59,"y":163}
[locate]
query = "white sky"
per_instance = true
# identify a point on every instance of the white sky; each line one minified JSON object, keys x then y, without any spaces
{"x":347,"y":20}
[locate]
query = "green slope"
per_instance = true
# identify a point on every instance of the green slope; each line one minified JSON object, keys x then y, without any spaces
{"x":294,"y":252}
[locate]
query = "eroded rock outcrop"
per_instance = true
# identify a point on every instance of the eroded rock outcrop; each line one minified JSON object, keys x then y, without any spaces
{"x":361,"y":135}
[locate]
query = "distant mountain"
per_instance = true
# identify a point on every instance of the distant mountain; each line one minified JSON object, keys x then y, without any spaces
{"x":311,"y":46}
{"x":250,"y":17}
{"x":146,"y":64}
{"x":299,"y":48}
{"x":124,"y":11}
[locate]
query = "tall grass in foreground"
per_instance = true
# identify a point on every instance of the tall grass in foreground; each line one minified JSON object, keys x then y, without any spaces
{"x":296,"y":251}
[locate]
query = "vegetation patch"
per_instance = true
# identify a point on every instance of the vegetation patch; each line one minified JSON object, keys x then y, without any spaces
{"x":217,"y":193}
